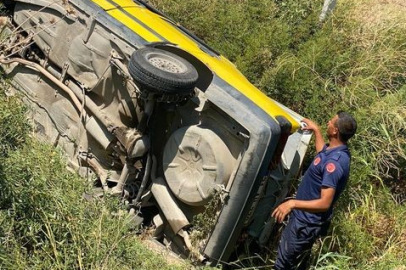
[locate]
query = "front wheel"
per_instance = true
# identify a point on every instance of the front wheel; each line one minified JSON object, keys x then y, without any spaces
{"x":162,"y":72}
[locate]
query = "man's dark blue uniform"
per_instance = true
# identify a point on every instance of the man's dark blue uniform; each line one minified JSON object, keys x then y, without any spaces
{"x":330,"y":168}
{"x":324,"y":181}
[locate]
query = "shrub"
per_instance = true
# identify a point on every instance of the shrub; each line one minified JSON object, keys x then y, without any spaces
{"x":46,"y":224}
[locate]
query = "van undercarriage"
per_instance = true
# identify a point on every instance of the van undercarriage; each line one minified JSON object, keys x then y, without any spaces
{"x":152,"y":124}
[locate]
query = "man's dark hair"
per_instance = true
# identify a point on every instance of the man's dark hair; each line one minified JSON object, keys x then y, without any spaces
{"x":347,"y":126}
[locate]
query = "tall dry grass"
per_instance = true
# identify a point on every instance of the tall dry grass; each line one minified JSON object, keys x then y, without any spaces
{"x":355,"y":60}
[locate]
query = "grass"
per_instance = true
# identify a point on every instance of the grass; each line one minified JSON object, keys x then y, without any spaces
{"x":44,"y":221}
{"x":355,"y":60}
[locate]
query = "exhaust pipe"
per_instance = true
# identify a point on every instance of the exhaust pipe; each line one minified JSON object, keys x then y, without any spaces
{"x":173,"y":214}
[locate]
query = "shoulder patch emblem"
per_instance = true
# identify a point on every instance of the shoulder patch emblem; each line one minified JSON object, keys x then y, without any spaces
{"x":331,"y":167}
{"x":316,"y":161}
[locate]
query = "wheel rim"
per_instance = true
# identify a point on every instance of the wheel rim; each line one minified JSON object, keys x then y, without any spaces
{"x":166,"y":63}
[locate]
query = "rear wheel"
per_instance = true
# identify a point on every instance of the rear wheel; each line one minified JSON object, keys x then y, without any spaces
{"x":162,"y":72}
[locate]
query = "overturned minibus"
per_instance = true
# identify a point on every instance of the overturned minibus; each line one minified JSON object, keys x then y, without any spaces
{"x":158,"y":117}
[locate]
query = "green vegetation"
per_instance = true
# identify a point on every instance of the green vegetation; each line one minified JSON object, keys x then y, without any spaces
{"x":356,"y":61}
{"x":44,"y":221}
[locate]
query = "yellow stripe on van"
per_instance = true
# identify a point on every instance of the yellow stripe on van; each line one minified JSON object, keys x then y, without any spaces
{"x":220,"y":65}
{"x":127,"y":21}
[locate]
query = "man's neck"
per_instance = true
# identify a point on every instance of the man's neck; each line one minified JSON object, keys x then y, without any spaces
{"x":333,"y":142}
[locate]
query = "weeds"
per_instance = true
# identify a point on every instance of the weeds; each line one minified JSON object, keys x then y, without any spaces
{"x":355,"y":60}
{"x":44,"y":222}
{"x":47,"y":225}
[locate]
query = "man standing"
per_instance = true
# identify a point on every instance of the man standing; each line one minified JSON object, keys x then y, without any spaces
{"x":312,"y":209}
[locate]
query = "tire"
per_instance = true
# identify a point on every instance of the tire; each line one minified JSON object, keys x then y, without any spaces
{"x":162,"y":72}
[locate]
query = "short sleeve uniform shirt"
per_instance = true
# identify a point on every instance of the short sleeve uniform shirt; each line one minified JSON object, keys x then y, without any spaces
{"x":330,"y":168}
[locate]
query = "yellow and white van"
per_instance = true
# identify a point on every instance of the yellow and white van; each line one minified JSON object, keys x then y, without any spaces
{"x":158,"y":117}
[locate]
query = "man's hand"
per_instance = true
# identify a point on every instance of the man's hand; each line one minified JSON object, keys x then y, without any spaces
{"x":310,"y":125}
{"x":312,"y":206}
{"x":283,"y":210}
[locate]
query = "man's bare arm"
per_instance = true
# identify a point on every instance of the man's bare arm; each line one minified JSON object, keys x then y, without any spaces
{"x":314,"y":206}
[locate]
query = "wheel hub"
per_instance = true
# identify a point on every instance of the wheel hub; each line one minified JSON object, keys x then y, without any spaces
{"x":166,"y":63}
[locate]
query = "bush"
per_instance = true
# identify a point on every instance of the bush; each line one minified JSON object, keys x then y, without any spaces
{"x":46,"y":224}
{"x":44,"y":221}
{"x":356,"y":61}
{"x":13,"y":121}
